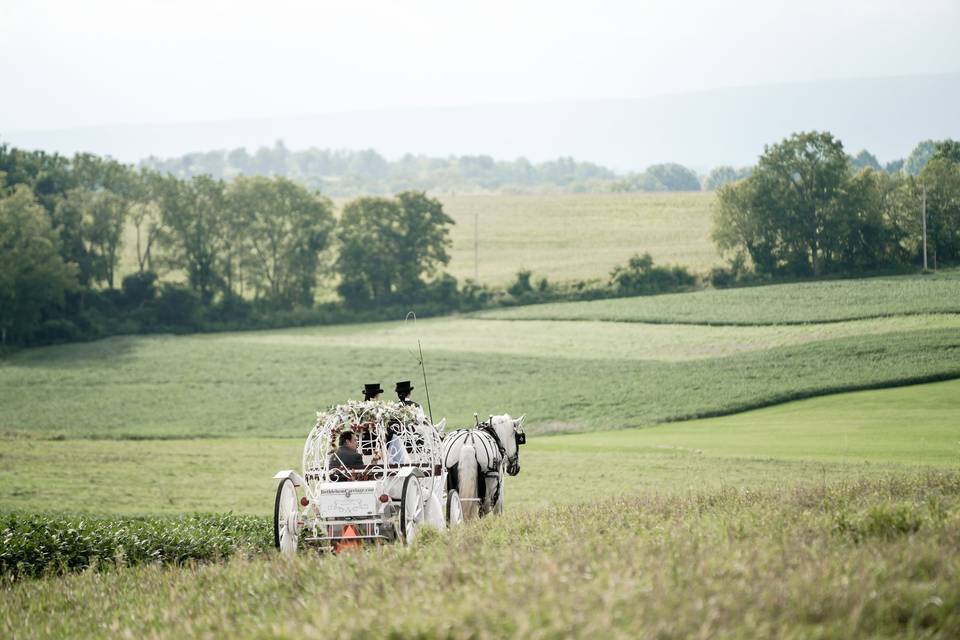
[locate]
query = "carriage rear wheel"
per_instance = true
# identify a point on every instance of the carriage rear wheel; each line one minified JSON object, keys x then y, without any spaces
{"x":411,"y":508}
{"x":454,"y":509}
{"x":285,"y":533}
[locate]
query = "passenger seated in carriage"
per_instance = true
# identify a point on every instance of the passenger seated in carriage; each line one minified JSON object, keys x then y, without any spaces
{"x":347,"y":455}
{"x":404,"y":389}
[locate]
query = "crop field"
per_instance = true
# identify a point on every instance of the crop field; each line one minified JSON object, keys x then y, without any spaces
{"x":565,"y":236}
{"x":801,"y":303}
{"x":578,"y":236}
{"x":856,"y":558}
{"x":754,"y":520}
{"x":853,"y":435}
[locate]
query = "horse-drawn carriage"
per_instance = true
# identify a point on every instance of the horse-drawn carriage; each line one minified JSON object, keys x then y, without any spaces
{"x":401,"y":487}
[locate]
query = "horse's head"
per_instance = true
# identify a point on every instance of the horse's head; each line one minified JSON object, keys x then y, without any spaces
{"x":511,"y":436}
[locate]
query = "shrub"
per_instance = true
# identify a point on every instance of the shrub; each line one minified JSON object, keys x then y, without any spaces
{"x":178,"y":306}
{"x":641,"y":277}
{"x":139,"y":288}
{"x":35,"y":545}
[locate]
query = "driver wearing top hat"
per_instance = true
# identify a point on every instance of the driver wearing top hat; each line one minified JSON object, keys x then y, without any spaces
{"x":404,"y":389}
{"x":372,"y":391}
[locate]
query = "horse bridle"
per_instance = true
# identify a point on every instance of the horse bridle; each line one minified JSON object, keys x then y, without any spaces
{"x":518,"y":434}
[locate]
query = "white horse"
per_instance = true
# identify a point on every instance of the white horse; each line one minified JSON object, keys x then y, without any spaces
{"x":483,"y":452}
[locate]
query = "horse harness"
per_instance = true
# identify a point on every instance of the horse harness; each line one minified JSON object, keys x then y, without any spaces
{"x":487,"y":437}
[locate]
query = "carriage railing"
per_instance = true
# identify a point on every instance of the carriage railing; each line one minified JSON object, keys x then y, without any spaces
{"x":401,"y":434}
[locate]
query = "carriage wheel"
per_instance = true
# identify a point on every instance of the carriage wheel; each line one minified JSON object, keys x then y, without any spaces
{"x":454,"y":509}
{"x":411,"y":508}
{"x":285,"y":533}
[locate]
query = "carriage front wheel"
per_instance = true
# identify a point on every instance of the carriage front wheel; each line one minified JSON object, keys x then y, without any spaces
{"x":285,"y":531}
{"x":454,"y":509}
{"x":411,"y":508}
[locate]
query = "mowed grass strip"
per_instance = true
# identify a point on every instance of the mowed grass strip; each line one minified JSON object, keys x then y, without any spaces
{"x":798,"y":303}
{"x":844,"y":436}
{"x":590,"y":340}
{"x":203,"y":386}
{"x":729,"y":562}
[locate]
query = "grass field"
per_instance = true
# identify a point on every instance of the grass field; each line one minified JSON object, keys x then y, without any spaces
{"x":863,"y":434}
{"x":860,"y":558}
{"x":563,"y":236}
{"x":801,"y":303}
{"x":832,"y":516}
{"x":271,"y":383}
{"x":578,"y":236}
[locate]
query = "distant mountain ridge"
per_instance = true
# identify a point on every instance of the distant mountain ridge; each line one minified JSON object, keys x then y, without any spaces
{"x":704,"y":129}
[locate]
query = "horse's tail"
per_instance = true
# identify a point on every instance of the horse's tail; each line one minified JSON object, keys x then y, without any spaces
{"x":467,"y":473}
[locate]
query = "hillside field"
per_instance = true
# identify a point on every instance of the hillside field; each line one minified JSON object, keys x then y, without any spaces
{"x":562,"y":236}
{"x":752,"y":521}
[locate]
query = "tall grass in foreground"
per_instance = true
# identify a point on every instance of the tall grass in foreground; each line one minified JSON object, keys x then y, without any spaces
{"x":875,"y":558}
{"x":41,"y":544}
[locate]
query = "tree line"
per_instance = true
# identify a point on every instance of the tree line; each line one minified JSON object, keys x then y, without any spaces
{"x":259,"y":251}
{"x":364,"y":172}
{"x":808,"y":210}
{"x":255,"y":245}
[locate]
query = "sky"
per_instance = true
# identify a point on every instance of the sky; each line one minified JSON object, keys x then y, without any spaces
{"x":67,"y":64}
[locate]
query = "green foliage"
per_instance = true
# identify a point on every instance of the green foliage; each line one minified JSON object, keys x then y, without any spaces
{"x":199,"y":231}
{"x":725,"y":174}
{"x":365,"y":172}
{"x":674,"y":177}
{"x":941,"y":177}
{"x":919,"y":157}
{"x":660,"y":177}
{"x":33,"y":276}
{"x":388,"y":246}
{"x":140,"y":288}
{"x":804,"y":213}
{"x":40,"y":544}
{"x":948,"y":150}
{"x":178,"y":306}
{"x":285,"y":230}
{"x":641,"y":277}
{"x":865,"y":160}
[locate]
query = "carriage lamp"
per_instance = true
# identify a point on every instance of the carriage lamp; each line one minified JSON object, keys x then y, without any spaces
{"x":304,"y":501}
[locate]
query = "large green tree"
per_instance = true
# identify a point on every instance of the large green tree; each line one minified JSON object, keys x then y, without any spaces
{"x":286,"y":230}
{"x":196,"y":217}
{"x":941,"y":179}
{"x":33,"y":276}
{"x":785,"y":214}
{"x":389,"y":246}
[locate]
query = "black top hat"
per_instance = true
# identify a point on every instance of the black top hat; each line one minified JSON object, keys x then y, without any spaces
{"x":404,"y":387}
{"x":370,"y":390}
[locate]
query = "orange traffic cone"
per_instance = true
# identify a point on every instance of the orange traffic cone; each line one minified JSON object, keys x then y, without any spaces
{"x":349,"y":540}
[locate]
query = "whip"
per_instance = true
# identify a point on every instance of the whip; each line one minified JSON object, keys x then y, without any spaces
{"x":423,"y":367}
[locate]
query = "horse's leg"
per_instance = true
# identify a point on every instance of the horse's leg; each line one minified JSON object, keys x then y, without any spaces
{"x":467,"y":488}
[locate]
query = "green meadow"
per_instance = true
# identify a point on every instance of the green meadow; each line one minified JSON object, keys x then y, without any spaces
{"x":800,"y":303}
{"x":786,"y":450}
{"x":577,"y":236}
{"x":563,"y":236}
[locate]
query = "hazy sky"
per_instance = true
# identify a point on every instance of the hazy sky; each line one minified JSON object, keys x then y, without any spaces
{"x":75,"y":63}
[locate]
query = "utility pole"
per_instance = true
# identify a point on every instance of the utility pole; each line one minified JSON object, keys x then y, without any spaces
{"x":476,"y":247}
{"x":924,"y":191}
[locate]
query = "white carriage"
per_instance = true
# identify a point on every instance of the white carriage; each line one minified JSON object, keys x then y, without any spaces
{"x":401,"y":487}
